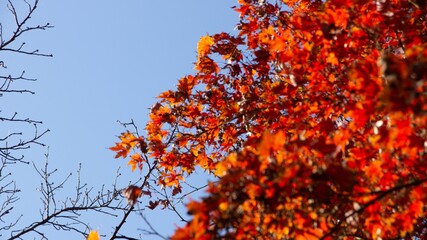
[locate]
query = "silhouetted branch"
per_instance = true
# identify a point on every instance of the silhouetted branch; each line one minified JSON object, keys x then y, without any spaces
{"x":21,"y":28}
{"x":12,"y":144}
{"x":152,"y":230}
{"x":15,"y":141}
{"x":66,"y":217}
{"x":62,"y":215}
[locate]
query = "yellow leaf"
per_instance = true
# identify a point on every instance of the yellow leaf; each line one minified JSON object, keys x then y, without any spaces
{"x":313,"y":215}
{"x":204,"y":45}
{"x":308,"y":45}
{"x":332,"y":59}
{"x":331,"y":78}
{"x":222,"y":167}
{"x":93,"y":235}
{"x":223,"y":206}
{"x":266,"y":34}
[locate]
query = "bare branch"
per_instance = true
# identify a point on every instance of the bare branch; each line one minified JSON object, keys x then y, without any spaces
{"x":21,"y":28}
{"x":152,"y":230}
{"x":67,"y":216}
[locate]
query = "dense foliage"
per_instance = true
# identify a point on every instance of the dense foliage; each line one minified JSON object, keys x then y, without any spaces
{"x":311,"y":116}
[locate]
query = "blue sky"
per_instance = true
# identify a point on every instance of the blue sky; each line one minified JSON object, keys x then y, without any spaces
{"x":111,"y":59}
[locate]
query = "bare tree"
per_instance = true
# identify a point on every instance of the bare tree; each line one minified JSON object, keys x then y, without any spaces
{"x":64,"y":215}
{"x":13,"y":141}
{"x":16,"y":138}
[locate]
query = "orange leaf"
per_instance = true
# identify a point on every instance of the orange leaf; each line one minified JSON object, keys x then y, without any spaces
{"x":93,"y":235}
{"x":203,"y":47}
{"x":332,"y":59}
{"x":136,"y":161}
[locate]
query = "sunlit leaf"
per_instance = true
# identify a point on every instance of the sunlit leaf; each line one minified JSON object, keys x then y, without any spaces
{"x":93,"y":235}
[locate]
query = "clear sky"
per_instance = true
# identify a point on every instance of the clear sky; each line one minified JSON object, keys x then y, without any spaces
{"x":111,"y":59}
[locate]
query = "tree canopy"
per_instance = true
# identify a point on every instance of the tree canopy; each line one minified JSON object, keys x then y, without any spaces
{"x":312,"y":117}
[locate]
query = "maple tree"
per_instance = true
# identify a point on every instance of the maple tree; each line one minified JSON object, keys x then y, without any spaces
{"x":311,"y":116}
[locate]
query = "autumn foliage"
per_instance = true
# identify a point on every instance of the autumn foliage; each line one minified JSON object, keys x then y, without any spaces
{"x":312,"y":116}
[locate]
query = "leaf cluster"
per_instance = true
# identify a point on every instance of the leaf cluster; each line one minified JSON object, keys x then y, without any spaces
{"x":312,"y":117}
